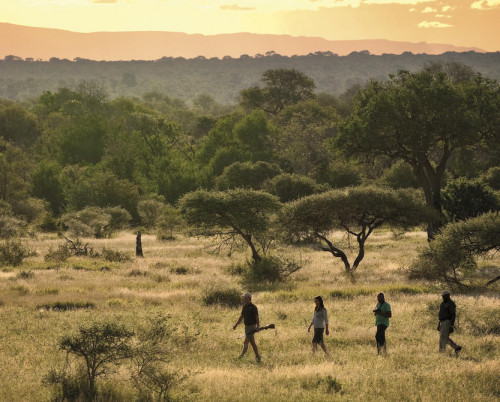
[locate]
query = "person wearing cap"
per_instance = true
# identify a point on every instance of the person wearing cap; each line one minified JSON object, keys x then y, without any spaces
{"x":382,"y":314}
{"x":250,"y":317}
{"x":447,"y":313}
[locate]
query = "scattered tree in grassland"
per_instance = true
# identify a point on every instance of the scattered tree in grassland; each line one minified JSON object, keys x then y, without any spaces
{"x":357,"y":210}
{"x":244,"y":214}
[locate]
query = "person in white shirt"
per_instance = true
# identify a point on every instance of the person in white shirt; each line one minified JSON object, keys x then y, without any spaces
{"x":320,"y":322}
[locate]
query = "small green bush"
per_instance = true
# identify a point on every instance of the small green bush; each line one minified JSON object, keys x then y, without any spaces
{"x":66,"y":306}
{"x":114,"y":256}
{"x":269,"y":269}
{"x":230,"y":297}
{"x":137,"y":272}
{"x":14,"y":252}
{"x":61,"y":254}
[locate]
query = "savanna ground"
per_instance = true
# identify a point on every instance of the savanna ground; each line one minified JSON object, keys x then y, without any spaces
{"x":172,"y":280}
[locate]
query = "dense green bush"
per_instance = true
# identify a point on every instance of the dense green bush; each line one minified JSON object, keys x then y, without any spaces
{"x":14,"y":252}
{"x":223,"y":296}
{"x":269,"y":269}
{"x":10,"y":227}
{"x":246,"y":175}
{"x":400,"y":175}
{"x":492,"y":177}
{"x":464,"y":198}
{"x":289,"y":187}
{"x":452,"y":256}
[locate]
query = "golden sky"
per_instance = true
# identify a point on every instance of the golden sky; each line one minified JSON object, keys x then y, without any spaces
{"x":472,"y":23}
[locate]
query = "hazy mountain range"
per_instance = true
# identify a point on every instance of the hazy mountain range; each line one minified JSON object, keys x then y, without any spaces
{"x":44,"y":43}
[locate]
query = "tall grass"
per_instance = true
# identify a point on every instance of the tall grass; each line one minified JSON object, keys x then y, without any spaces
{"x":207,"y":347}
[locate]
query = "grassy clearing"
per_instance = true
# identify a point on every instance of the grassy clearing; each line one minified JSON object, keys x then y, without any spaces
{"x":42,"y":301}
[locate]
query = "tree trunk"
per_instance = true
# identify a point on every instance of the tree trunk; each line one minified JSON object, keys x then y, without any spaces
{"x":138,"y":245}
{"x":336,"y":252}
{"x":255,"y":255}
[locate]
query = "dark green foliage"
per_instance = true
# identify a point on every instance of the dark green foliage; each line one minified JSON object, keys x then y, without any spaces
{"x":464,"y":198}
{"x":400,"y":175}
{"x":422,"y":118}
{"x":223,"y":296}
{"x":452,"y":256}
{"x":14,"y":252}
{"x":66,"y":306}
{"x":269,"y":269}
{"x":282,"y":87}
{"x":10,"y":226}
{"x":492,"y":177}
{"x":289,"y":187}
{"x":246,"y":175}
{"x":17,"y":125}
{"x":92,"y":187}
{"x":149,"y":211}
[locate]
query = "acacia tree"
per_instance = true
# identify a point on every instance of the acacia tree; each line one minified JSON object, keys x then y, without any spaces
{"x":423,"y":119}
{"x":452,"y":256}
{"x":234,"y":213}
{"x":357,"y":210}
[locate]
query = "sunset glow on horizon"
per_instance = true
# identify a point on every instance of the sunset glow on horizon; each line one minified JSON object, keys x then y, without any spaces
{"x":471,"y":23}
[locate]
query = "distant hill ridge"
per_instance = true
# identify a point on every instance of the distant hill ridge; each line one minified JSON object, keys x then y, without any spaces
{"x":44,"y":43}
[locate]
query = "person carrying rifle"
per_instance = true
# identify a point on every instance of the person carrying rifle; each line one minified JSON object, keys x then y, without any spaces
{"x":250,"y":317}
{"x":447,"y":313}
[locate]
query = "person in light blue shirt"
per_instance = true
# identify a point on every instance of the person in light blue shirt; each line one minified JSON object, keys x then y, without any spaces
{"x":320,"y":322}
{"x":382,"y":314}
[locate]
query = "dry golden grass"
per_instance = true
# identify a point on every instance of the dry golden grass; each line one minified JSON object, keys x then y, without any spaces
{"x":172,"y":279}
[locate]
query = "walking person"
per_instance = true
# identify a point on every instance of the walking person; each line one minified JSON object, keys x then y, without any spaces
{"x":382,"y":314}
{"x":250,"y":317}
{"x":447,"y":314}
{"x":320,"y":322}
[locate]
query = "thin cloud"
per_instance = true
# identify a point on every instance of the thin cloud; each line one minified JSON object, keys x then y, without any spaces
{"x":446,"y":8}
{"x":485,"y":4}
{"x":429,"y":10}
{"x":433,"y":24}
{"x":235,"y":7}
{"x":442,"y":16}
{"x":104,"y":1}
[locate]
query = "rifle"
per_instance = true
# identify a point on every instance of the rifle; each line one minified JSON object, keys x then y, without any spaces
{"x":270,"y":326}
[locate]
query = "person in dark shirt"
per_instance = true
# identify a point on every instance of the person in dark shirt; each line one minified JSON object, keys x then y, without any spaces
{"x":250,"y":317}
{"x":447,"y":313}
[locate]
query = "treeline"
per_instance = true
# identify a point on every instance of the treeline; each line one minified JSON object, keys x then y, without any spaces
{"x":416,"y":148}
{"x":221,"y":78}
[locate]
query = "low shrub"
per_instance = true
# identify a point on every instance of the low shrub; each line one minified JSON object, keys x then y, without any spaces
{"x":223,"y":296}
{"x":137,"y":272}
{"x":61,"y":254}
{"x":179,"y":270}
{"x":14,"y":252}
{"x":66,"y":306}
{"x":25,"y":275}
{"x":269,"y":269}
{"x":114,"y":256}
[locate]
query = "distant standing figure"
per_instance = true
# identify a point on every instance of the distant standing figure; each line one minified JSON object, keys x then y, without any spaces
{"x":382,"y":314}
{"x":138,"y":245}
{"x":320,"y":322}
{"x":250,"y":317}
{"x":447,"y":313}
